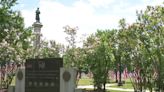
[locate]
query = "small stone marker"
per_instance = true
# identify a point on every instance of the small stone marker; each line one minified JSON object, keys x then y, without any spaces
{"x":67,"y":80}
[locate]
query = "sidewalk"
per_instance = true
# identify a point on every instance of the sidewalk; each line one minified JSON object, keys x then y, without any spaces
{"x":109,"y":87}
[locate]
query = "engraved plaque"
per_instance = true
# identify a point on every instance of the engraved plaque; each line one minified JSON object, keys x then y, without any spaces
{"x":46,"y":84}
{"x":43,"y":75}
{"x":66,"y":76}
{"x":40,"y":83}
{"x":30,"y":83}
{"x":20,"y":75}
{"x":52,"y":84}
{"x":35,"y":83}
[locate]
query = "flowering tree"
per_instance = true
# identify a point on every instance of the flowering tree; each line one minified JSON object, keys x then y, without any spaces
{"x":14,"y":40}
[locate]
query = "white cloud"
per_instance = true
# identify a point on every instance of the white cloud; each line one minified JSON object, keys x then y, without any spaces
{"x":54,"y":15}
{"x":152,"y":2}
{"x":101,"y":3}
{"x":29,"y":17}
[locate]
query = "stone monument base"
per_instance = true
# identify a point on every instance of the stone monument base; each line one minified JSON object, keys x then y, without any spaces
{"x":11,"y":89}
{"x":20,"y":80}
{"x":67,"y":80}
{"x":80,"y":90}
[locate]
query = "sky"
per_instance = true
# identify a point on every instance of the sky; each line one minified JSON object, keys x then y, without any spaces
{"x":88,"y":15}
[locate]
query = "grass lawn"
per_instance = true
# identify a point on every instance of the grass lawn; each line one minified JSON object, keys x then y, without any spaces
{"x":110,"y":90}
{"x":13,"y":82}
{"x":116,"y":91}
{"x":127,"y":85}
{"x":86,"y":81}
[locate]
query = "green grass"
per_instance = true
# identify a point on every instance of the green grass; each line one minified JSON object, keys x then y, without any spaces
{"x":108,"y":90}
{"x":13,"y":81}
{"x":127,"y":85}
{"x":114,"y":91}
{"x":85,"y":82}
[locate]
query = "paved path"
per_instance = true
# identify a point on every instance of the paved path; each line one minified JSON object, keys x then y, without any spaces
{"x":109,"y":87}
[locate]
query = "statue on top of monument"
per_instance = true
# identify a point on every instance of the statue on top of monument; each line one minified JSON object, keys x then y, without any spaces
{"x":37,"y":15}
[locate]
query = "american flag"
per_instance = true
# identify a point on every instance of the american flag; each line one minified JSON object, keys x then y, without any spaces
{"x":125,"y":73}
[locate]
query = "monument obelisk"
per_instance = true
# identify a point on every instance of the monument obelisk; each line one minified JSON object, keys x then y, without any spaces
{"x":37,"y":32}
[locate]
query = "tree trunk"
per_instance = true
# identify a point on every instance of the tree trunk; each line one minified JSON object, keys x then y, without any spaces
{"x":104,"y":87}
{"x":120,"y":81}
{"x":116,"y":76}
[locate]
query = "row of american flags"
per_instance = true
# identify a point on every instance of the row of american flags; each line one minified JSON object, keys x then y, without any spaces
{"x":124,"y":75}
{"x":10,"y":68}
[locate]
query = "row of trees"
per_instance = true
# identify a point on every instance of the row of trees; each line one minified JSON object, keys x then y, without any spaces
{"x":13,"y":40}
{"x":139,"y":47}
